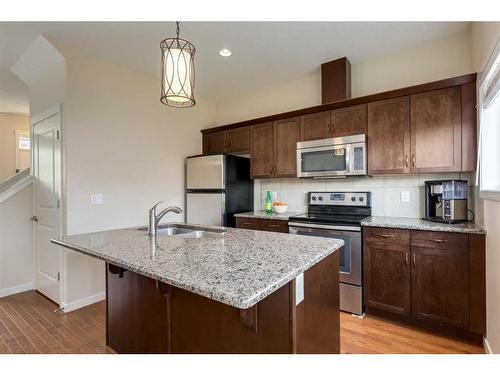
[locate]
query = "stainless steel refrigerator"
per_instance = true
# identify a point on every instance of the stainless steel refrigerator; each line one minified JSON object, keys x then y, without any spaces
{"x":217,"y":187}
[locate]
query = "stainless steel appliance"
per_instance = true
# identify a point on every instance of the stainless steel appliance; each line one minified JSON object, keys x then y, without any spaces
{"x":332,"y":157}
{"x":217,"y":187}
{"x":446,"y":201}
{"x":339,"y":215}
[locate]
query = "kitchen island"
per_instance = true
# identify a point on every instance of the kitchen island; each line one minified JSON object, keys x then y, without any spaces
{"x":217,"y":290}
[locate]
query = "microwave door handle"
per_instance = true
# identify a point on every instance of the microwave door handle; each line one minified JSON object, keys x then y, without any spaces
{"x":348,"y":151}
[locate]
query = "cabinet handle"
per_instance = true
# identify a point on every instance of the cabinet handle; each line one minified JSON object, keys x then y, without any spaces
{"x":406,"y":160}
{"x":414,"y":260}
{"x":385,"y":235}
{"x":273,"y":225}
{"x":406,"y":259}
{"x":332,"y":127}
{"x":438,"y":240}
{"x":413,"y":160}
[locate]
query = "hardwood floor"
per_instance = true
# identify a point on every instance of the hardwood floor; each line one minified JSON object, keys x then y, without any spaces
{"x":29,"y":324}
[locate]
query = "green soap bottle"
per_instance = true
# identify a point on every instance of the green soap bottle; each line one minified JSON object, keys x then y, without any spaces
{"x":269,"y":203}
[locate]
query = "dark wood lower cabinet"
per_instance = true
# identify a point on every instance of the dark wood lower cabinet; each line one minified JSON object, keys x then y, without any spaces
{"x":269,"y":225}
{"x":387,"y":275}
{"x":440,"y":287}
{"x":435,"y":280}
{"x":146,"y":316}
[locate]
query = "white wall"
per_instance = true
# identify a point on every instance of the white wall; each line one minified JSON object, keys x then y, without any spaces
{"x":9,"y":122}
{"x":123,"y":143}
{"x":442,"y":58}
{"x":484,"y":37}
{"x":16,"y":251}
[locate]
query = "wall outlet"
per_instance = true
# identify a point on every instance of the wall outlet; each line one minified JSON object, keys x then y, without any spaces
{"x":96,"y":199}
{"x":405,"y":196}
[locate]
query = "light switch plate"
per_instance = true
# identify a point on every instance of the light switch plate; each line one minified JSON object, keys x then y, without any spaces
{"x":405,"y":196}
{"x":96,"y":199}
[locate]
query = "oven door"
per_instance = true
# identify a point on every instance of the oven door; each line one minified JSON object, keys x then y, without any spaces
{"x":323,"y":161}
{"x":350,"y":254}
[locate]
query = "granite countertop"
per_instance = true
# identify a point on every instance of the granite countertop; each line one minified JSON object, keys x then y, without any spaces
{"x":420,"y":224}
{"x":265,"y":215}
{"x":237,"y":267}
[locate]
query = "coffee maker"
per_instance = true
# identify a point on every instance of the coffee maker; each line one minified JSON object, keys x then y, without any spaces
{"x":446,"y":201}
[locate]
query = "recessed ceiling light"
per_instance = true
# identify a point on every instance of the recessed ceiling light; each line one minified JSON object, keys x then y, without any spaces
{"x":225,"y":52}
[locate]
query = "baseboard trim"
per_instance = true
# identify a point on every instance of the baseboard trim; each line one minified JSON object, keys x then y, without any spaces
{"x":67,"y":307}
{"x":16,"y":289}
{"x":487,"y":347}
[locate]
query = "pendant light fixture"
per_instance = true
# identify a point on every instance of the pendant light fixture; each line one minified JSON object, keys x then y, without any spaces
{"x":177,"y":72}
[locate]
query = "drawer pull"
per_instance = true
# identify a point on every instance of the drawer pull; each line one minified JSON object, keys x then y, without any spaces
{"x":438,"y":240}
{"x":385,"y":235}
{"x":273,"y":225}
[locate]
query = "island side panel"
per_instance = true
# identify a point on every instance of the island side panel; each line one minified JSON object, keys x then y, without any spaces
{"x":137,"y":313}
{"x":316,"y":320}
{"x":202,"y":325}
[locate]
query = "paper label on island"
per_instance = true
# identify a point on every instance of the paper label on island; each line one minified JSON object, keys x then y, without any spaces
{"x":299,"y":289}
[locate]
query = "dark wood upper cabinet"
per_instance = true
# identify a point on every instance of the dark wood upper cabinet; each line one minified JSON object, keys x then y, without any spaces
{"x":221,"y":142}
{"x":273,"y":148}
{"x":214,"y":143}
{"x":315,"y":126}
{"x":436,"y":131}
{"x":387,"y":270}
{"x":440,"y":284}
{"x":389,"y":136}
{"x":285,"y":149}
{"x":349,"y":121}
{"x":469,"y":127}
{"x":262,"y":150}
{"x":238,"y":140}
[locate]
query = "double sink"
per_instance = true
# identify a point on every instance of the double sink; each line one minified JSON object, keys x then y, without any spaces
{"x":184,"y":230}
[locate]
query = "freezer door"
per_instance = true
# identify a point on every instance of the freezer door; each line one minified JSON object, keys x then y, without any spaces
{"x":205,"y":208}
{"x":205,"y":172}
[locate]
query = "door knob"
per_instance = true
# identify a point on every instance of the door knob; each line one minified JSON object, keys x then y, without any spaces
{"x":34,"y":218}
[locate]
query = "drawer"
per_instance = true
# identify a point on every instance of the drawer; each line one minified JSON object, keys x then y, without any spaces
{"x":440,"y":240}
{"x":388,"y":235}
{"x":274,"y":225}
{"x":248,"y":223}
{"x":262,"y":224}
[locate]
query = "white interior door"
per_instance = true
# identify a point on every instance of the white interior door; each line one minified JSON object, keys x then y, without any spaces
{"x":47,"y":210}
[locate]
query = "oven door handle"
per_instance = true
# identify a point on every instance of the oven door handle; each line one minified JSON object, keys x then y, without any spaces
{"x":322,"y":226}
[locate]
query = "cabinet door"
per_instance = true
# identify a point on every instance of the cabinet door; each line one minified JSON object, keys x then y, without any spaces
{"x":389,"y":136}
{"x":315,"y":126}
{"x":440,"y":289}
{"x":214,"y":143}
{"x":387,"y":276}
{"x":349,"y":121}
{"x":436,"y":136}
{"x":286,"y":134}
{"x":238,"y":140}
{"x":262,"y":150}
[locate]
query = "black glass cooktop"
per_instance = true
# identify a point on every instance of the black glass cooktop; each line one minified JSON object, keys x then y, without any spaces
{"x":324,"y":218}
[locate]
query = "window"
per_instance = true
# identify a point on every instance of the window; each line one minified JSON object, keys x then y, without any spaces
{"x":489,"y":119}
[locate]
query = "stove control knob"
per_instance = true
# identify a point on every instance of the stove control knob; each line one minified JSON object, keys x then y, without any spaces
{"x":361,"y":199}
{"x":320,"y":198}
{"x":353,"y":199}
{"x":313,"y":198}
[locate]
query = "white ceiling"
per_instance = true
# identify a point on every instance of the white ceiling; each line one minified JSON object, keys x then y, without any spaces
{"x":264,"y":53}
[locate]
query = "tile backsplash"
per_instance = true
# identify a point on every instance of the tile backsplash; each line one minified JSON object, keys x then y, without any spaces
{"x":386,"y":191}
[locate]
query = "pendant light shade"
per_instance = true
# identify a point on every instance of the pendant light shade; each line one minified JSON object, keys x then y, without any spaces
{"x":177,"y":72}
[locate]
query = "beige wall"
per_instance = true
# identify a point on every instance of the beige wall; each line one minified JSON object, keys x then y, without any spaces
{"x":10,"y":122}
{"x":16,"y":251}
{"x":123,"y":143}
{"x":484,"y":37}
{"x":442,"y":58}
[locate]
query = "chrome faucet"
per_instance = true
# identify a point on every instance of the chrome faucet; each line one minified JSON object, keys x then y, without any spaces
{"x":154,"y":219}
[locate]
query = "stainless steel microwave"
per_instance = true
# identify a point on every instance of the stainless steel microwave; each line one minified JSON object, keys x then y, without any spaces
{"x":332,"y":157}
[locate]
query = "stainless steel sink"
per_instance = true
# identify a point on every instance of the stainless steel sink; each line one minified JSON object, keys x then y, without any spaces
{"x":183,"y":230}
